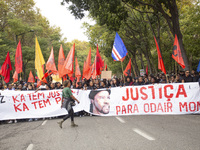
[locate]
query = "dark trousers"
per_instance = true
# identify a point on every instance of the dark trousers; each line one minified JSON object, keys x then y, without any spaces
{"x":70,"y":114}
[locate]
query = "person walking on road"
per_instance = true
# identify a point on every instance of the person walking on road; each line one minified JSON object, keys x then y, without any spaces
{"x":68,"y":101}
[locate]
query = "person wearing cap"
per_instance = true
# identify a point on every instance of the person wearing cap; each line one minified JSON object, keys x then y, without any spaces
{"x":67,"y":103}
{"x":100,"y":101}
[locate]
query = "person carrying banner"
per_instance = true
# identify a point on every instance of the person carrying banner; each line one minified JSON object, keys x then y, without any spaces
{"x":68,"y":100}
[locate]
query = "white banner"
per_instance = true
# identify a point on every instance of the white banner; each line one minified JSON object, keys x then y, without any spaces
{"x":159,"y":99}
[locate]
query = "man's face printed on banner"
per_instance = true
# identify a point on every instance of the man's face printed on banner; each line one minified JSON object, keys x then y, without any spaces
{"x":101,"y":102}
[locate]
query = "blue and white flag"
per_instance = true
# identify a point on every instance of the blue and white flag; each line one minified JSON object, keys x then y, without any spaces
{"x":119,"y":50}
{"x":198,"y":68}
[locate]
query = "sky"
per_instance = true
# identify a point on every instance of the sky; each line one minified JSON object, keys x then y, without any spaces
{"x":60,"y":16}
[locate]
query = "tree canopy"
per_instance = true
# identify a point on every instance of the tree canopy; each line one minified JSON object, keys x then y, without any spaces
{"x":137,"y":22}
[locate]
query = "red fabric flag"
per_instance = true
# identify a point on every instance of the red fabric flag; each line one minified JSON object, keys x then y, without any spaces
{"x":127,"y":71}
{"x":87,"y":67}
{"x":103,"y":65}
{"x":31,"y":78}
{"x":147,"y":70}
{"x":6,"y":68}
{"x":94,"y":71}
{"x":18,"y":58}
{"x":61,"y":60}
{"x":106,"y":68}
{"x":176,"y":55}
{"x":161,"y":65}
{"x":50,"y":65}
{"x":15,"y":76}
{"x":68,"y":67}
{"x":77,"y":71}
{"x":99,"y":62}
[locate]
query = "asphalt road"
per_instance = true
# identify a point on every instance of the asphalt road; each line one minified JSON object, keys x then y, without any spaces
{"x":109,"y":133}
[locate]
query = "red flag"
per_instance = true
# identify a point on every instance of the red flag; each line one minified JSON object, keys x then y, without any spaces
{"x":6,"y":68}
{"x":87,"y":67}
{"x":176,"y":55}
{"x":31,"y":78}
{"x":94,"y":71}
{"x":147,"y":70}
{"x":61,"y":60}
{"x":99,"y":62}
{"x":15,"y":76}
{"x":68,"y":67}
{"x":18,"y":58}
{"x":103,"y":65}
{"x":50,"y":65}
{"x":127,"y":71}
{"x":161,"y":65}
{"x":77,"y":71}
{"x":106,"y":68}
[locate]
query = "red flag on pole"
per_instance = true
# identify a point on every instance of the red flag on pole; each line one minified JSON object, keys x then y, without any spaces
{"x":77,"y":71}
{"x":147,"y":70}
{"x":31,"y":78}
{"x":61,"y":60}
{"x":161,"y":65}
{"x":15,"y":76}
{"x":68,"y":67}
{"x":94,"y":71}
{"x":176,"y":55}
{"x":18,"y":58}
{"x":50,"y":65}
{"x":99,"y":62}
{"x":127,"y":71}
{"x":106,"y":68}
{"x":87,"y":67}
{"x":6,"y":68}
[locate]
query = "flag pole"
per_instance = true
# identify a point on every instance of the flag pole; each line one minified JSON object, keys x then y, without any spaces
{"x":122,"y":71}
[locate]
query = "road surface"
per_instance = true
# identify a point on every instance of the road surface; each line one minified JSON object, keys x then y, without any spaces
{"x":110,"y":133}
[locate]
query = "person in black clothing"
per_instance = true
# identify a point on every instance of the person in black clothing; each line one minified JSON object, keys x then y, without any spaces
{"x":128,"y":81}
{"x":115,"y":83}
{"x":140,"y":81}
{"x":91,"y":86}
{"x":79,"y":86}
{"x":195,"y":77}
{"x":58,"y":85}
{"x":103,"y":85}
{"x":187,"y":77}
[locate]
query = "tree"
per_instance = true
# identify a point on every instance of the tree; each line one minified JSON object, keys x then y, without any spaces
{"x":113,"y":13}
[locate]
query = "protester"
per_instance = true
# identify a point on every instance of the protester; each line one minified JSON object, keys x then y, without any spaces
{"x":128,"y":81}
{"x":187,"y":77}
{"x":58,"y":85}
{"x":52,"y":86}
{"x":68,"y":103}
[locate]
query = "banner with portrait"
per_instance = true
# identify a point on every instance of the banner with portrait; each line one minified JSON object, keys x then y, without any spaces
{"x":158,"y":99}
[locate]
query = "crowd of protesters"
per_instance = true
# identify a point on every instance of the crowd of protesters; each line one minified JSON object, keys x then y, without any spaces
{"x":182,"y":77}
{"x":93,"y":84}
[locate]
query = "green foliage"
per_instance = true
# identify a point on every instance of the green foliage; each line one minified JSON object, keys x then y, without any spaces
{"x":19,"y":20}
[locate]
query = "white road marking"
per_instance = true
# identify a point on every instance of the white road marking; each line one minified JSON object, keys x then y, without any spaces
{"x":44,"y":122}
{"x":120,"y":119}
{"x":145,"y":135}
{"x":30,"y":147}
